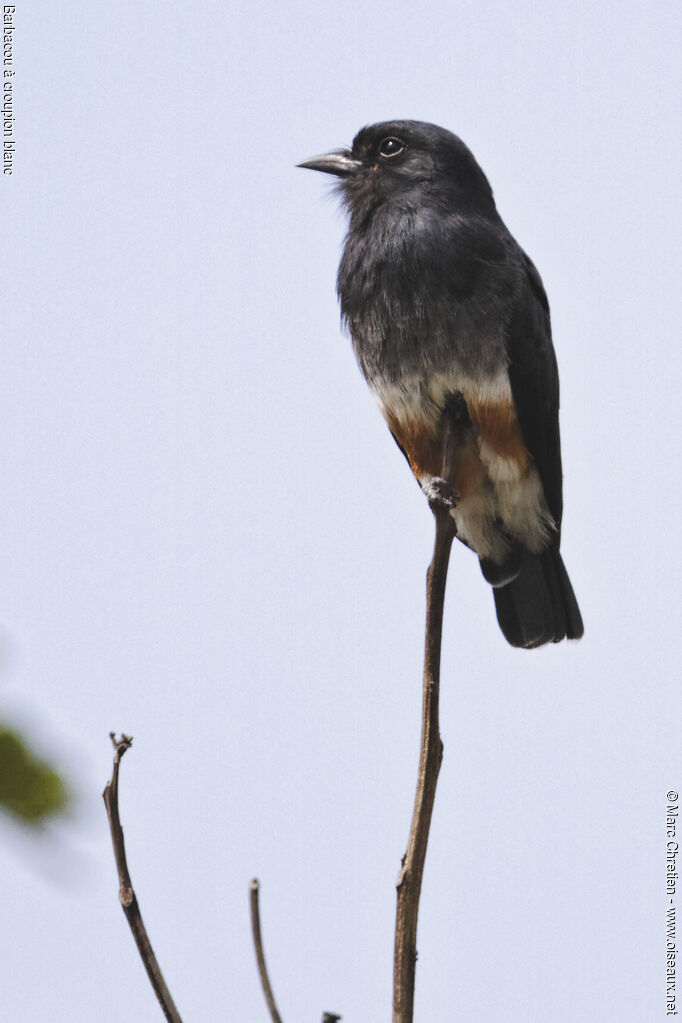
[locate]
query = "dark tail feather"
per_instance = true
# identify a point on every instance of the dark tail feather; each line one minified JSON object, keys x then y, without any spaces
{"x":538,"y":605}
{"x":574,"y":620}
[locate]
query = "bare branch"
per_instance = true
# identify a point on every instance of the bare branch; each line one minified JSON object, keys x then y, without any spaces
{"x":260,"y":955}
{"x":411,"y":872}
{"x":126,"y":894}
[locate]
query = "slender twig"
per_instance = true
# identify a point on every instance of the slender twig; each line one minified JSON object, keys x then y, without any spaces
{"x":254,"y":892}
{"x":126,"y":894}
{"x":410,"y":877}
{"x":260,"y":955}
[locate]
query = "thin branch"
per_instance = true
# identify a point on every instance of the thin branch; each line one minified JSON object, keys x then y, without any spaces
{"x":254,"y":890}
{"x":126,"y":894}
{"x":410,"y":877}
{"x":260,"y":955}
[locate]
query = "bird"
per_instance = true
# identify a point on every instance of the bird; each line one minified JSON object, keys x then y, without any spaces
{"x":450,"y":325}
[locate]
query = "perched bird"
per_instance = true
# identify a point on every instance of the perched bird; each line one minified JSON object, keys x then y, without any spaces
{"x":450,"y":325}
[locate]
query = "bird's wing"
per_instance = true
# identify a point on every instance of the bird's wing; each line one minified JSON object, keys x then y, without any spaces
{"x":534,"y":379}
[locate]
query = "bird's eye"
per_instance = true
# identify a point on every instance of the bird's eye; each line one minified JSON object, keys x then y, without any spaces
{"x":391,"y":147}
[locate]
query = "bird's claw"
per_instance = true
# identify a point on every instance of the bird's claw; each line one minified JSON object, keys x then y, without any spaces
{"x":440,"y":493}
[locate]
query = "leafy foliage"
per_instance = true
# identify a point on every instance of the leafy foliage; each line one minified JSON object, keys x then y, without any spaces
{"x":30,"y":789}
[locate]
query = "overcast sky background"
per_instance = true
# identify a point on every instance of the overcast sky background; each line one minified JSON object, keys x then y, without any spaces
{"x":208,"y":538}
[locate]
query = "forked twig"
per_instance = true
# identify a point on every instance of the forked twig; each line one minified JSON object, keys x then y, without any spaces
{"x":431,"y":754}
{"x":260,"y":955}
{"x":126,"y":894}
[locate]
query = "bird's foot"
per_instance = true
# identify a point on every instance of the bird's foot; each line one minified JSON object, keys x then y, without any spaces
{"x":440,"y":493}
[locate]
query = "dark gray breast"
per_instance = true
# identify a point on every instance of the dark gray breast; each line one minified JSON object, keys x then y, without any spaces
{"x":423,"y":293}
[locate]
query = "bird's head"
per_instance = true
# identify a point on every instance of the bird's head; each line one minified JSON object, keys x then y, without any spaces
{"x":404,"y":162}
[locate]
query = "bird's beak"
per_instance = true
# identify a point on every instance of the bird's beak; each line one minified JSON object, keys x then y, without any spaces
{"x":339,"y":162}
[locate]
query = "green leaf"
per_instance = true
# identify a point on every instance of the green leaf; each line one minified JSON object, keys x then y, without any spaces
{"x":29,"y":788}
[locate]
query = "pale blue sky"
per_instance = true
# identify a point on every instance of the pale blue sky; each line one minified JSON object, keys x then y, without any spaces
{"x":208,"y":538}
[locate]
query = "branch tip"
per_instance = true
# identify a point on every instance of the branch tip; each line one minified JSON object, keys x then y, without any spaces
{"x":120,"y":745}
{"x":254,"y":889}
{"x":127,"y":897}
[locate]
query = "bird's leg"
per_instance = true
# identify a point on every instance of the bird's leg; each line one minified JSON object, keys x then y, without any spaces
{"x":440,"y":492}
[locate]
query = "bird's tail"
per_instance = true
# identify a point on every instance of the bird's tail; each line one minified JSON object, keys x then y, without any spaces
{"x":537,"y":605}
